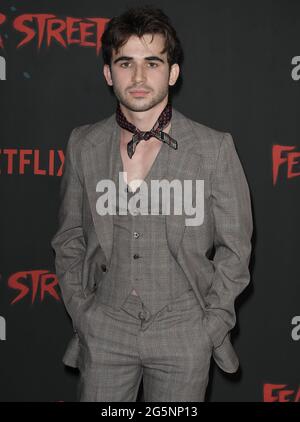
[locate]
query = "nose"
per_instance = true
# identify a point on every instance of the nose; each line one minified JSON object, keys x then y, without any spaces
{"x":138,"y":74}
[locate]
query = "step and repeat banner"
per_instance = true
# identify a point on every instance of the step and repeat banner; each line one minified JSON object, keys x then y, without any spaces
{"x":241,"y":74}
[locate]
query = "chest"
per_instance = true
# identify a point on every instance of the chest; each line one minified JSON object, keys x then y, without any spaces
{"x":140,"y":164}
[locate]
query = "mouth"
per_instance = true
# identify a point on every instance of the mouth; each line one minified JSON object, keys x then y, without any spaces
{"x":138,"y":93}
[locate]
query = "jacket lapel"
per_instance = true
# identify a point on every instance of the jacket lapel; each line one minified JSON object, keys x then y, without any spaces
{"x":184,"y":164}
{"x":98,"y":165}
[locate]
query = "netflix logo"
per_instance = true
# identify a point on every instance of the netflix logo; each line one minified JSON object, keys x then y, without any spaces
{"x":31,"y":161}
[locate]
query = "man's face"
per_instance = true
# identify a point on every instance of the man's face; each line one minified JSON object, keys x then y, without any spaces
{"x":140,"y":74}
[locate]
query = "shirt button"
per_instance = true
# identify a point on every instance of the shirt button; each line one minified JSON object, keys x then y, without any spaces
{"x":136,"y":256}
{"x":136,"y":235}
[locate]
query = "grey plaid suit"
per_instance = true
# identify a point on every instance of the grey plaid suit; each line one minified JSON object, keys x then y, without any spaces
{"x":84,"y":240}
{"x":144,"y":262}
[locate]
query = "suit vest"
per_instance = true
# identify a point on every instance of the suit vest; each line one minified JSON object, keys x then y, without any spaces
{"x":141,"y":258}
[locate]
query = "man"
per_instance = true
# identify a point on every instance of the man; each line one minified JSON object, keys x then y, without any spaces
{"x":151,"y":294}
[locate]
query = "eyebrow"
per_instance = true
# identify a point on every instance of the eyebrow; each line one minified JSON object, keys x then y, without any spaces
{"x":127,"y":58}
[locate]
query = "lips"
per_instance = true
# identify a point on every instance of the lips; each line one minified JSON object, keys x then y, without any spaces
{"x":139,"y":92}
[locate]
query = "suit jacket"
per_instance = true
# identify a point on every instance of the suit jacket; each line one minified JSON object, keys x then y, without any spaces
{"x":214,"y":256}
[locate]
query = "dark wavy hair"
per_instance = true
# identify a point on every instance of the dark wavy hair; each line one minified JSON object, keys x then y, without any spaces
{"x":139,"y":21}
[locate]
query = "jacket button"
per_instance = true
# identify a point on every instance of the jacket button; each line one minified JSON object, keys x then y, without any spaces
{"x":103,"y":268}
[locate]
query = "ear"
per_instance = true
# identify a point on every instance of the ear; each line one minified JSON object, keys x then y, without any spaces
{"x":107,"y":74}
{"x":174,"y":73}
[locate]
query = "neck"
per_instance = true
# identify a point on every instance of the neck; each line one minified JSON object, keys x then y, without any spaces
{"x":144,"y":120}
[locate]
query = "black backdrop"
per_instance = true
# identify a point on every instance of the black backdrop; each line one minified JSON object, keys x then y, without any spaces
{"x":240,"y":75}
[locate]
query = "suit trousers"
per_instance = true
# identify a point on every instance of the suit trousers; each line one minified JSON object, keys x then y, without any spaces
{"x":169,"y":350}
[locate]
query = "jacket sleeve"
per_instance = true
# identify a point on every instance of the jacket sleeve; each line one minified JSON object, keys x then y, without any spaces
{"x":68,"y":242}
{"x":231,"y":209}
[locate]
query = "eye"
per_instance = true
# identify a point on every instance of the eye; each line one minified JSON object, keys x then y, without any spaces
{"x":125,"y":64}
{"x":152,"y":64}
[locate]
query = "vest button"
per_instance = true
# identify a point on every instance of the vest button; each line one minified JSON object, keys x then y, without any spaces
{"x":142,"y":315}
{"x":136,"y":235}
{"x":136,"y":256}
{"x":103,"y":268}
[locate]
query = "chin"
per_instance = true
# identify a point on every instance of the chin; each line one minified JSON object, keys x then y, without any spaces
{"x":139,"y":105}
